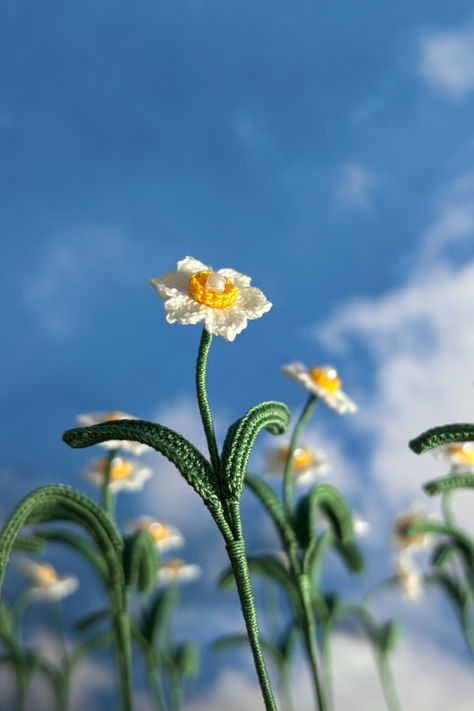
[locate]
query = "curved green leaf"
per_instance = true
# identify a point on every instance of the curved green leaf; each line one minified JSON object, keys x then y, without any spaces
{"x":436,"y":436}
{"x":184,"y":455}
{"x":92,"y":619}
{"x":87,"y":549}
{"x":273,"y":506}
{"x":460,"y":539}
{"x":442,"y":553}
{"x":448,"y":483}
{"x":332,"y":503}
{"x":351,"y":555}
{"x":140,"y":561}
{"x":157,"y":613}
{"x":272,"y":416}
{"x":187,"y":658}
{"x":30,"y":544}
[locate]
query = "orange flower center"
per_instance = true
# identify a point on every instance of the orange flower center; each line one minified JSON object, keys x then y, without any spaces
{"x":119,"y":468}
{"x":112,"y":416}
{"x":174,"y":565}
{"x":212,"y":289}
{"x":302,"y":457}
{"x":45,"y":575}
{"x":158,"y":531}
{"x":326,"y":377}
{"x":408,"y":540}
{"x":462,"y":452}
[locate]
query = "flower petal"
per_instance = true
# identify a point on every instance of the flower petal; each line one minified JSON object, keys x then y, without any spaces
{"x":184,"y":310}
{"x":189,"y":266}
{"x":170,"y":284}
{"x":240,"y":280}
{"x":253,"y":301}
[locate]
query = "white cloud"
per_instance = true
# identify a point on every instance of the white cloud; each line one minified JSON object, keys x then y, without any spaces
{"x":426,"y":678}
{"x":355,"y":187}
{"x":446,"y":61}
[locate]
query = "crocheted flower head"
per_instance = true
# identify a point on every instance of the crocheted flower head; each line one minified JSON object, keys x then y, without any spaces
{"x":408,"y":578}
{"x":95,"y":418}
{"x":307,"y":463}
{"x":124,"y":473}
{"x":322,"y":381}
{"x":460,"y":455}
{"x":45,"y":583}
{"x":165,"y":536}
{"x":177,"y":571}
{"x":223,"y":299}
{"x":406,"y":540}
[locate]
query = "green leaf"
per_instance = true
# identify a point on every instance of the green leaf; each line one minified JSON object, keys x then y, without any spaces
{"x":458,"y":538}
{"x":436,"y":436}
{"x":140,"y":561}
{"x":186,"y":657}
{"x":92,"y":619}
{"x":332,"y":503}
{"x":184,"y":455}
{"x":389,"y":635}
{"x":272,"y":416}
{"x":448,"y":483}
{"x":451,"y":588}
{"x":158,"y":613}
{"x":265,"y":565}
{"x":241,"y":640}
{"x":83,"y":546}
{"x":442,"y":553}
{"x":351,"y":555}
{"x":30,"y":544}
{"x":273,"y":506}
{"x":6,"y":620}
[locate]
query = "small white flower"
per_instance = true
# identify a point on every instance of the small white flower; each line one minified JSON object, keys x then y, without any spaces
{"x":124,"y":473}
{"x":95,"y":418}
{"x":177,"y":571}
{"x":46,"y":584}
{"x":165,"y":536}
{"x":408,"y":578}
{"x":361,"y":526}
{"x":307,"y":464}
{"x":323,"y":382}
{"x":410,"y":541}
{"x":224,"y":299}
{"x":460,"y":455}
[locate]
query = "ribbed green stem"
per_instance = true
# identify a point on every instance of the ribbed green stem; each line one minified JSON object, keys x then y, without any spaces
{"x":388,"y":684}
{"x":288,"y":478}
{"x":108,"y":496}
{"x":238,"y":561}
{"x":309,"y":631}
{"x":204,"y":409}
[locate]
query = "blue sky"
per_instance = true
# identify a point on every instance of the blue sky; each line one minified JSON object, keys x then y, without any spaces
{"x":325,"y":151}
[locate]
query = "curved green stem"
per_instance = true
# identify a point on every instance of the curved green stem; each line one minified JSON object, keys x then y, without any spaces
{"x":309,"y":632}
{"x":204,"y":409}
{"x":238,"y":561}
{"x":446,"y":508}
{"x":388,"y":683}
{"x":108,"y":496}
{"x":288,"y":480}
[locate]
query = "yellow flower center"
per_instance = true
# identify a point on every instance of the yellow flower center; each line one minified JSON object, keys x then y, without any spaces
{"x":409,"y":540}
{"x":302,"y":457}
{"x":462,"y":453}
{"x":326,"y":377}
{"x":212,"y":289}
{"x":158,"y":531}
{"x":119,"y":468}
{"x":174,"y":565}
{"x":45,"y":575}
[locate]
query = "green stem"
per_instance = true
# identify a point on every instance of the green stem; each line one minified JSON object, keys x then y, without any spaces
{"x":326,"y":660}
{"x":467,"y":627}
{"x":446,"y":508}
{"x":108,"y":496}
{"x":388,"y":683}
{"x":288,"y":478}
{"x":59,"y":622}
{"x":285,"y":687}
{"x":204,"y":409}
{"x":176,"y":693}
{"x":309,"y":632}
{"x":156,"y":685}
{"x":238,"y":561}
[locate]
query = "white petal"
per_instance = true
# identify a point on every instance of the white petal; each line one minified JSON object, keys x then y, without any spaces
{"x":253,"y":301}
{"x":227,"y":323}
{"x":189,"y":266}
{"x":238,"y":279}
{"x":170,"y":284}
{"x":184,"y":310}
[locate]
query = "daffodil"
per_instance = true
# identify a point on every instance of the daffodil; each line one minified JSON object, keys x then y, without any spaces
{"x":460,"y":455}
{"x":322,"y":381}
{"x":124,"y":473}
{"x":409,"y":578}
{"x":165,"y":536}
{"x":223,"y":299}
{"x":177,"y":571}
{"x":45,"y":583}
{"x":405,"y":540}
{"x":95,"y":418}
{"x":307,"y":462}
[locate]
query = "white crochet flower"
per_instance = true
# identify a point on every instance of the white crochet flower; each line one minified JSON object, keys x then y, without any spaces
{"x":410,"y":541}
{"x":409,"y":578}
{"x":460,"y":455}
{"x":224,"y":299}
{"x":165,"y":536}
{"x":177,"y":571}
{"x":95,"y":418}
{"x":323,"y":382}
{"x":124,"y":473}
{"x":46,"y":584}
{"x":307,"y":464}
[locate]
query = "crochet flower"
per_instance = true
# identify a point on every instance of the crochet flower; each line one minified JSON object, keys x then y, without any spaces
{"x":177,"y":571}
{"x":406,"y":540}
{"x":223,"y":299}
{"x":46,"y":584}
{"x":95,"y":418}
{"x":322,"y":381}
{"x":124,"y":473}
{"x":460,"y":455}
{"x":164,"y":536}
{"x":409,"y":578}
{"x":307,"y":463}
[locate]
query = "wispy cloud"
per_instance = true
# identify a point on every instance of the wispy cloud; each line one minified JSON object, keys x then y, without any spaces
{"x":355,"y":187}
{"x":446,"y":61}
